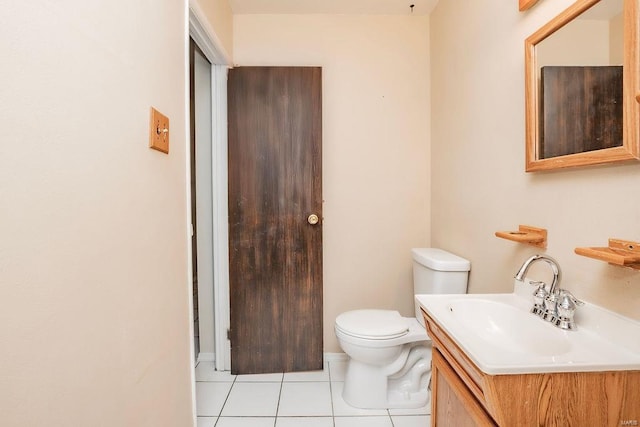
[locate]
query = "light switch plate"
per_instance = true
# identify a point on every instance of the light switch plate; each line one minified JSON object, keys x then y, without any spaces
{"x":159,"y":131}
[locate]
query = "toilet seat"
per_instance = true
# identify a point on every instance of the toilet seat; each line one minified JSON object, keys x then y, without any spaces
{"x":372,"y":324}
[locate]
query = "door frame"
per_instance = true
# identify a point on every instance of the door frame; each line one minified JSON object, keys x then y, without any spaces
{"x":206,"y":39}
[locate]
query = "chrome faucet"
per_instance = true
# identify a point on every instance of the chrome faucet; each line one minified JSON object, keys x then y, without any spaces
{"x":552,"y":263}
{"x":556,"y":305}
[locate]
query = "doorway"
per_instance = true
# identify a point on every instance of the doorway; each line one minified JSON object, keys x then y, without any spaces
{"x":201,"y":143}
{"x":207,"y":180}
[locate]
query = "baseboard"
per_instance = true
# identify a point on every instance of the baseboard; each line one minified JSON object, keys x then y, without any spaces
{"x":335,"y":357}
{"x":206,"y":357}
{"x":328,"y":357}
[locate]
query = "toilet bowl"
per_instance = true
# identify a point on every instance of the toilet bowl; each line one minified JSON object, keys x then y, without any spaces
{"x":389,"y":355}
{"x":400,"y":353}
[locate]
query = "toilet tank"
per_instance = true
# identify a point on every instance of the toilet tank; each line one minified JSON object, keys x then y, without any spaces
{"x":436,"y":271}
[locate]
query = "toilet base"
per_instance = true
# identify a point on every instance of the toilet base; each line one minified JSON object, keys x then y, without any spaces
{"x":404,"y":400}
{"x":403,"y":384}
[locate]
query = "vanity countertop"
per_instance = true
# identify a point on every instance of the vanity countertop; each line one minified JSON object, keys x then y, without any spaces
{"x":501,"y":336}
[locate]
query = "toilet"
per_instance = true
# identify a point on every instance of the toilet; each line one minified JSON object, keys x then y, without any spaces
{"x":389,"y":355}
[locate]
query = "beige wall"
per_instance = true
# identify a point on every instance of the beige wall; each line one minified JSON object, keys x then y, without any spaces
{"x":375,"y":145}
{"x":616,"y":39}
{"x":478,"y":182}
{"x":582,"y":42}
{"x":94,"y":308}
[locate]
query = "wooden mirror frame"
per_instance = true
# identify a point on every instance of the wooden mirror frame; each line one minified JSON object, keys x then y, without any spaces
{"x":526,"y":4}
{"x":631,"y":95}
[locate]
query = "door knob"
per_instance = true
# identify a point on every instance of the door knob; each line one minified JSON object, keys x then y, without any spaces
{"x":313,"y":219}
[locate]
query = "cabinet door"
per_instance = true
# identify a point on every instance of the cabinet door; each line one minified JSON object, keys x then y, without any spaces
{"x":453,"y":404}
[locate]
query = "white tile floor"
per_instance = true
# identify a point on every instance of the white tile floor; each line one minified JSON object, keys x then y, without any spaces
{"x":303,"y":399}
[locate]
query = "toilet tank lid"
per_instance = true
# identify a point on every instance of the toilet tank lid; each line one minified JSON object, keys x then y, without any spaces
{"x":440,"y":260}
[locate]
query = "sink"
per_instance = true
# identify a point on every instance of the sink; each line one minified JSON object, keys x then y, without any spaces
{"x":501,"y":336}
{"x":508,"y":328}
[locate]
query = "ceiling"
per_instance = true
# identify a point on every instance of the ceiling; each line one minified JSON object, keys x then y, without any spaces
{"x":347,"y":7}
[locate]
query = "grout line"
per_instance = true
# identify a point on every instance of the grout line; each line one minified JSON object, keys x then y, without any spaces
{"x":226,"y":399}
{"x":390,"y":418}
{"x":333,"y":413}
{"x":275,"y":420}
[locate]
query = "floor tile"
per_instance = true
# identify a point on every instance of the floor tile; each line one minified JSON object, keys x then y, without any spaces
{"x":206,"y":421}
{"x":206,"y":371}
{"x":270,"y":378}
{"x":210,"y":397}
{"x":363,"y":422}
{"x":411,"y":420}
{"x":298,"y":399}
{"x":425,"y":410}
{"x":308,"y":376}
{"x":252,"y":399}
{"x":341,"y":408}
{"x":304,"y":422}
{"x":246,"y":422}
{"x":337,"y":370}
{"x":305,"y":399}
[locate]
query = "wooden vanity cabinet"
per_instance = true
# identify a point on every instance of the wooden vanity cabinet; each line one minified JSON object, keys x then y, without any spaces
{"x":463,"y":395}
{"x":453,"y":404}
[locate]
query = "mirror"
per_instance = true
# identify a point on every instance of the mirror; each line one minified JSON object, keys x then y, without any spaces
{"x":581,"y":82}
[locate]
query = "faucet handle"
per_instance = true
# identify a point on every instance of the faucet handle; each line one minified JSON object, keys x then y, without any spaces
{"x":567,"y":304}
{"x":539,"y":296}
{"x":566,"y":309}
{"x":537,"y":283}
{"x":541,"y":291}
{"x":567,"y":298}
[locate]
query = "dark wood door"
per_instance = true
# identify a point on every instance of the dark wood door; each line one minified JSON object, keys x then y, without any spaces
{"x":581,"y":109}
{"x":275,"y":184}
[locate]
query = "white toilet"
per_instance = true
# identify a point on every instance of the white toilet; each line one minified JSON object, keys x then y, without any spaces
{"x":390,"y":355}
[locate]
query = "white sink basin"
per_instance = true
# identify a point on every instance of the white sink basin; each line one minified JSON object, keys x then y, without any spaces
{"x":500,"y":336}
